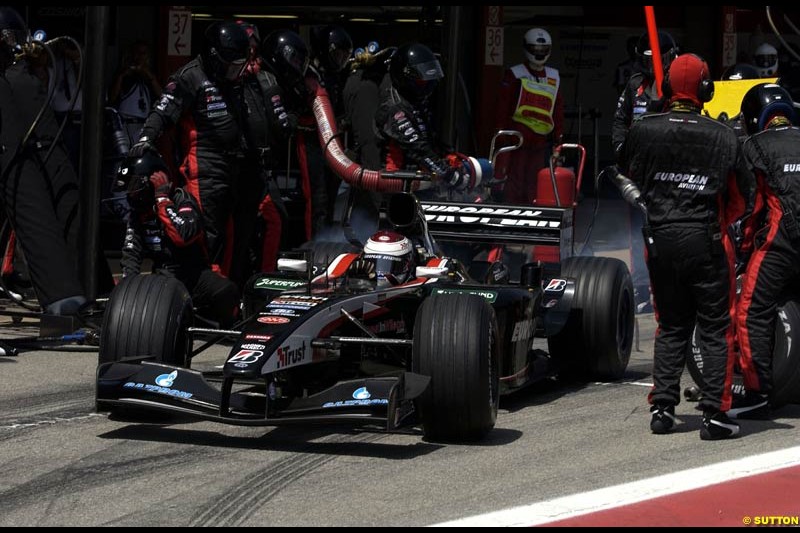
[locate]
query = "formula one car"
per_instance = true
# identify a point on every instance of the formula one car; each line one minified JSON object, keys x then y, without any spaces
{"x":334,"y":337}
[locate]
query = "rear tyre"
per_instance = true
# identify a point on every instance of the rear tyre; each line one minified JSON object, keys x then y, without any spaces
{"x":326,"y":252}
{"x":597,"y":340}
{"x":455,"y":343}
{"x":785,"y":358}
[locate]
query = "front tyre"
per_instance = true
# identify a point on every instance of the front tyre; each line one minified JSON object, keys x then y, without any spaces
{"x":455,"y":343}
{"x":147,"y":317}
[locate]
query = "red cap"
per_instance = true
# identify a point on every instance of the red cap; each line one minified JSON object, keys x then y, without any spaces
{"x":685,"y":75}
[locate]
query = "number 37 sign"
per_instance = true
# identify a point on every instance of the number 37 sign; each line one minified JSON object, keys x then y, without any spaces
{"x":179,"y":40}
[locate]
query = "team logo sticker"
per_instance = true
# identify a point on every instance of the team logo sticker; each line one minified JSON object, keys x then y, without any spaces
{"x":274,"y":320}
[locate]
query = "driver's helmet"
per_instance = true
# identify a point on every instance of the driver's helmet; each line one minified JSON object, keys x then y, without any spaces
{"x":133,"y":177}
{"x":393,"y":256}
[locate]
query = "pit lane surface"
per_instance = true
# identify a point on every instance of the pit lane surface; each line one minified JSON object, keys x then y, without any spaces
{"x":65,"y":465}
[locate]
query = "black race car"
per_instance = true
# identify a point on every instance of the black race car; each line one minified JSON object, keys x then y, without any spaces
{"x":330,"y":338}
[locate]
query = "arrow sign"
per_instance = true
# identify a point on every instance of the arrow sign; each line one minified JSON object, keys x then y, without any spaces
{"x":179,"y":46}
{"x":179,"y":32}
{"x":495,"y":41}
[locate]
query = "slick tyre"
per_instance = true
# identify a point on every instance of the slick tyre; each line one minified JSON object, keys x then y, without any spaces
{"x":147,"y":317}
{"x":785,"y":358}
{"x":597,"y":340}
{"x":455,"y":343}
{"x":694,"y":364}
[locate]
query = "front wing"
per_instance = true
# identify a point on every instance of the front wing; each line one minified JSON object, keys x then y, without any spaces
{"x":156,"y":387}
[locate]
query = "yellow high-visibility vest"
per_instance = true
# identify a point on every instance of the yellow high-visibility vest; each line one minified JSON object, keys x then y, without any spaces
{"x":537,"y":99}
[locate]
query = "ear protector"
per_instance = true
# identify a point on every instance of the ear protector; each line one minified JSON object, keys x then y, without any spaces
{"x":705,"y":88}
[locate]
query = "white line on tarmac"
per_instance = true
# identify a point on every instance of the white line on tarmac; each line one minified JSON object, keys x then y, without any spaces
{"x":634,"y":383}
{"x":632,"y":493}
{"x":640,"y":384}
{"x":50,"y":422}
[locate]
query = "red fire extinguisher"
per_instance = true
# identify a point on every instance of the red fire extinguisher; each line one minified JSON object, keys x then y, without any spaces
{"x":558,"y":186}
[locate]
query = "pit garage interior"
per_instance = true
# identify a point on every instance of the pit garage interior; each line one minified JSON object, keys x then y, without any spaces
{"x":475,"y":43}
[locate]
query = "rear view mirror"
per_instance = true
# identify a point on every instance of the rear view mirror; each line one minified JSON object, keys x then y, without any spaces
{"x":297,"y":266}
{"x":432,"y":272}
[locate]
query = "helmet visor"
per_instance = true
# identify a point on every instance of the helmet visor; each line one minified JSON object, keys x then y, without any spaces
{"x":429,"y":71}
{"x":235,"y":69}
{"x":296,"y":60}
{"x":647,"y":61}
{"x":389,"y":269}
{"x":339,"y":57}
{"x":141,"y":195}
{"x":14,"y":39}
{"x":764,"y":61}
{"x":539,"y":51}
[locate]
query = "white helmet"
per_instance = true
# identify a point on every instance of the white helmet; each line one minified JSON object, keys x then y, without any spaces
{"x":766,"y":60}
{"x":538,"y":46}
{"x":393,"y":255}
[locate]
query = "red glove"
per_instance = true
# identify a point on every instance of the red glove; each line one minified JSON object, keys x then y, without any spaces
{"x":161,"y":184}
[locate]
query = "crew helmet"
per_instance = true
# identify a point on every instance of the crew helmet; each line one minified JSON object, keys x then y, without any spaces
{"x":286,"y":55}
{"x":133,"y":177}
{"x":332,"y":46}
{"x":538,"y":46}
{"x":762,"y":103}
{"x":13,"y":35}
{"x":741,"y":71}
{"x":766,"y":60}
{"x":226,"y":50}
{"x":415,"y":72}
{"x":667,"y":46}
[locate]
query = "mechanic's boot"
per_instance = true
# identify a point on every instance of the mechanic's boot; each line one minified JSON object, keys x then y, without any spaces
{"x":717,"y":426}
{"x":662,"y":419}
{"x":750,"y":406}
